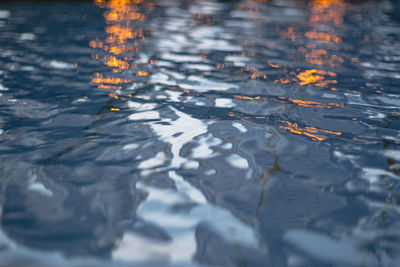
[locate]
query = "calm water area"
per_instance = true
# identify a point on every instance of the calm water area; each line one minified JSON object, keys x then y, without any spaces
{"x":200,"y":133}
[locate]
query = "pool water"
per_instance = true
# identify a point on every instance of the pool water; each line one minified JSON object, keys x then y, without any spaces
{"x":200,"y":133}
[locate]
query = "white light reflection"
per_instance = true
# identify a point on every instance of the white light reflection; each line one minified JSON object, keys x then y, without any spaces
{"x":180,"y":224}
{"x":160,"y":206}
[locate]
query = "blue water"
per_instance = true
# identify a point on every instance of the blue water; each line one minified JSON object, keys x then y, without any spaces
{"x":200,"y":133}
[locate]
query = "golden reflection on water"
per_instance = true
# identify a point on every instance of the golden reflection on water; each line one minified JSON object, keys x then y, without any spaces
{"x":314,"y":133}
{"x":321,"y":57}
{"x":315,"y":77}
{"x":319,"y":44}
{"x":304,"y":103}
{"x":325,"y":17}
{"x":314,"y":104}
{"x":122,"y":39}
{"x":327,"y":11}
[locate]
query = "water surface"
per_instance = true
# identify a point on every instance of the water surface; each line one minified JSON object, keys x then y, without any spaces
{"x":200,"y":133}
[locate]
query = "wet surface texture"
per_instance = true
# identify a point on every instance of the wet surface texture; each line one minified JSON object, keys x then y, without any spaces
{"x":200,"y":133}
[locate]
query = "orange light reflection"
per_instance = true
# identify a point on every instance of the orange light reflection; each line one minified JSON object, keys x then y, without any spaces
{"x":314,"y":133}
{"x":122,"y":37}
{"x":314,"y":77}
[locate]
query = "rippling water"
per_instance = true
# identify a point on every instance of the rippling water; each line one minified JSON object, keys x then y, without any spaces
{"x":200,"y":133}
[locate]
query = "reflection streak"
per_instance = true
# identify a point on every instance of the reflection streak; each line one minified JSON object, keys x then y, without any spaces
{"x":122,"y":38}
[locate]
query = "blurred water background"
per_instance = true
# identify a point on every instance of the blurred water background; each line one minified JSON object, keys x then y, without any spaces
{"x":200,"y":133}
